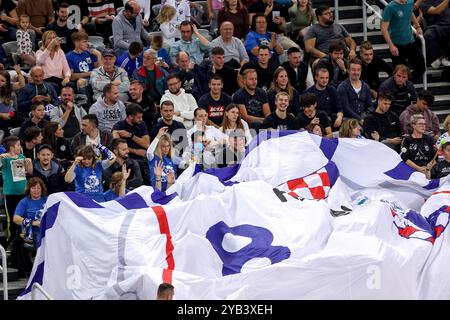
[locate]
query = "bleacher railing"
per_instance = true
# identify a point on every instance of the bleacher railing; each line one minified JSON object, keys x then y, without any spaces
{"x":4,"y":269}
{"x":37,"y":287}
{"x":336,"y":11}
{"x":366,"y":6}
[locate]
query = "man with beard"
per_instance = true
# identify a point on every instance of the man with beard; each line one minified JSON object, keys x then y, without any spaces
{"x":61,"y":28}
{"x":120,"y":149}
{"x":49,"y":170}
{"x":299,"y":72}
{"x":136,"y":94}
{"x":108,"y":108}
{"x":319,"y":36}
{"x":77,"y":16}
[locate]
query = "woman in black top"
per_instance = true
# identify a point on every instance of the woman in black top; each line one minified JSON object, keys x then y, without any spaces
{"x":54,"y":136}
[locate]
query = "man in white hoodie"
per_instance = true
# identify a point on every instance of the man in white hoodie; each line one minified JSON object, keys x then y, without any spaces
{"x":184,"y":103}
{"x":108,"y":108}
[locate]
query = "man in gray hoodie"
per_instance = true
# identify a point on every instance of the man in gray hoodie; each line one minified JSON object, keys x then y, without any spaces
{"x":108,"y":108}
{"x":127,"y":27}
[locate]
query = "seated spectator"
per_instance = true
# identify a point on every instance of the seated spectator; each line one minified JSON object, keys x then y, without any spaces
{"x":61,"y":26}
{"x":234,"y":150}
{"x":169,"y":28}
{"x":201,"y":150}
{"x":40,"y":13}
{"x":152,"y":76}
{"x":90,"y":134}
{"x":372,"y":65}
{"x":280,"y":119}
{"x":32,"y":139}
{"x":299,"y":72}
{"x":211,"y":134}
{"x":183,"y":11}
{"x":9,"y":117}
{"x":281,"y":84}
{"x":309,"y":114}
{"x":108,"y":108}
{"x":264,"y":66}
{"x":335,"y":63}
{"x":120,"y":149}
{"x":319,"y":36}
{"x":109,"y":73}
{"x":402,"y":89}
{"x":49,"y":170}
{"x":88,"y":172}
{"x":163,"y":59}
{"x":78,"y":17}
{"x":196,"y":47}
{"x":236,"y":13}
{"x":36,"y":119}
{"x":301,"y":16}
{"x":252,"y":101}
{"x":189,"y":74}
{"x":327,"y":97}
{"x":53,"y":61}
{"x":53,"y":135}
{"x":165,"y":292}
{"x":101,"y":15}
{"x":39,"y":91}
{"x":418,"y":149}
{"x":184,"y":103}
{"x":25,"y":38}
{"x":260,"y":36}
{"x":232,"y":121}
{"x":163,"y":161}
{"x":127,"y":27}
{"x":82,"y":61}
{"x":235,"y":55}
{"x":425,"y":99}
{"x":445,"y":137}
{"x":9,"y":20}
{"x":350,"y":128}
{"x":316,"y":129}
{"x":117,"y":186}
{"x":131,"y":60}
{"x":354,"y":94}
{"x":382,"y":124}
{"x":136,"y":95}
{"x":175,"y":129}
{"x":442,"y":168}
{"x":215,"y":101}
{"x":218,"y":67}
{"x":68,"y":114}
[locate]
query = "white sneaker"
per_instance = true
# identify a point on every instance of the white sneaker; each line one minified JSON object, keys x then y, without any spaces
{"x":445,"y":62}
{"x":436,"y":64}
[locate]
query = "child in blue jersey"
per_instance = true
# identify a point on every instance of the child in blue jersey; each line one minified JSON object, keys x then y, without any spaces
{"x":163,"y":162}
{"x":132,"y":59}
{"x":87,"y":171}
{"x":117,"y":186}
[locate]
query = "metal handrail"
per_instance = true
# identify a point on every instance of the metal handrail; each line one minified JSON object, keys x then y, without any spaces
{"x":37,"y":286}
{"x":4,"y":269}
{"x":422,"y":39}
{"x":336,"y":11}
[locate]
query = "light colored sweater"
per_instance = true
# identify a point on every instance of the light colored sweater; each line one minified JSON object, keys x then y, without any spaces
{"x":53,"y":67}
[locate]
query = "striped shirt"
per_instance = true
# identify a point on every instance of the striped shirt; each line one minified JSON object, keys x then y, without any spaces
{"x":100,"y":9}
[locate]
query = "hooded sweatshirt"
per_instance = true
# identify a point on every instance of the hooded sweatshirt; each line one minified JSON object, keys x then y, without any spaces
{"x":108,"y":116}
{"x":185,"y":103}
{"x":431,"y":119}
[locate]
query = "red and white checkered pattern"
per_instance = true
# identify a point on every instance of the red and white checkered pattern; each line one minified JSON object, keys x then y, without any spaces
{"x":315,"y":186}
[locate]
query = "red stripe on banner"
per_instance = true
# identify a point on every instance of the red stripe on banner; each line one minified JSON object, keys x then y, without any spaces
{"x":325,"y":179}
{"x":439,"y":192}
{"x":296,"y":184}
{"x":164,"y":229}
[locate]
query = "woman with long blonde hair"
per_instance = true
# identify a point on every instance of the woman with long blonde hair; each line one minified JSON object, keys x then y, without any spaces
{"x":281,"y":83}
{"x":169,"y":29}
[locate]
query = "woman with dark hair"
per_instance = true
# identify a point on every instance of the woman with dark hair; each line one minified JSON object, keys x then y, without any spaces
{"x":54,"y":137}
{"x":316,"y":129}
{"x":232,"y":121}
{"x":9,"y":117}
{"x":281,"y":84}
{"x":235,"y":12}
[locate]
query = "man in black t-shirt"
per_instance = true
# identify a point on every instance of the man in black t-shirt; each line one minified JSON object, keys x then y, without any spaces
{"x":310,"y":114}
{"x":61,"y":28}
{"x":33,"y":139}
{"x":264,"y":66}
{"x":78,"y":15}
{"x":280,"y":119}
{"x":215,"y":101}
{"x":442,"y":168}
{"x":136,"y":95}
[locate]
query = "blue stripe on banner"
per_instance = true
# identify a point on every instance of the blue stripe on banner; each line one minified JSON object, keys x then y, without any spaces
{"x":83,"y":201}
{"x":328,"y":147}
{"x":48,"y":219}
{"x":434,"y":183}
{"x":333,"y":172}
{"x":132,"y":201}
{"x":419,"y":221}
{"x":401,"y":172}
{"x":38,"y":277}
{"x":224,"y":174}
{"x":162,"y":198}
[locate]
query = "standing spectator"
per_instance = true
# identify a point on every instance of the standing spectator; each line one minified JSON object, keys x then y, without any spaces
{"x":32,"y":139}
{"x":53,"y":135}
{"x":299,"y":72}
{"x":424,"y":102}
{"x":335,"y":63}
{"x":236,"y":13}
{"x":418,"y":149}
{"x":183,"y":102}
{"x":371,"y":67}
{"x":90,"y":134}
{"x":109,"y":73}
{"x":145,"y":12}
{"x":120,"y":149}
{"x":196,"y":47}
{"x":61,"y":28}
{"x":279,"y":84}
{"x":68,"y":114}
{"x":108,"y":108}
{"x":151,"y":76}
{"x":127,"y":27}
{"x":214,"y":7}
{"x":252,"y":101}
{"x":25,"y":37}
{"x":36,"y":119}
{"x":9,"y":20}
{"x":310,"y":115}
{"x":396,"y":29}
{"x":40,"y":13}
{"x":354,"y":94}
{"x":235,"y":55}
{"x":302,"y":16}
{"x":280,"y":119}
{"x":264,"y":66}
{"x":101,"y":15}
{"x":183,"y":10}
{"x":215,"y":101}
{"x":383,"y":125}
{"x":169,"y":29}
{"x":327,"y":98}
{"x":232,"y":121}
{"x":319,"y":36}
{"x":350,"y":129}
{"x":49,"y":170}
{"x":402,"y":89}
{"x":442,"y":168}
{"x":132,"y":59}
